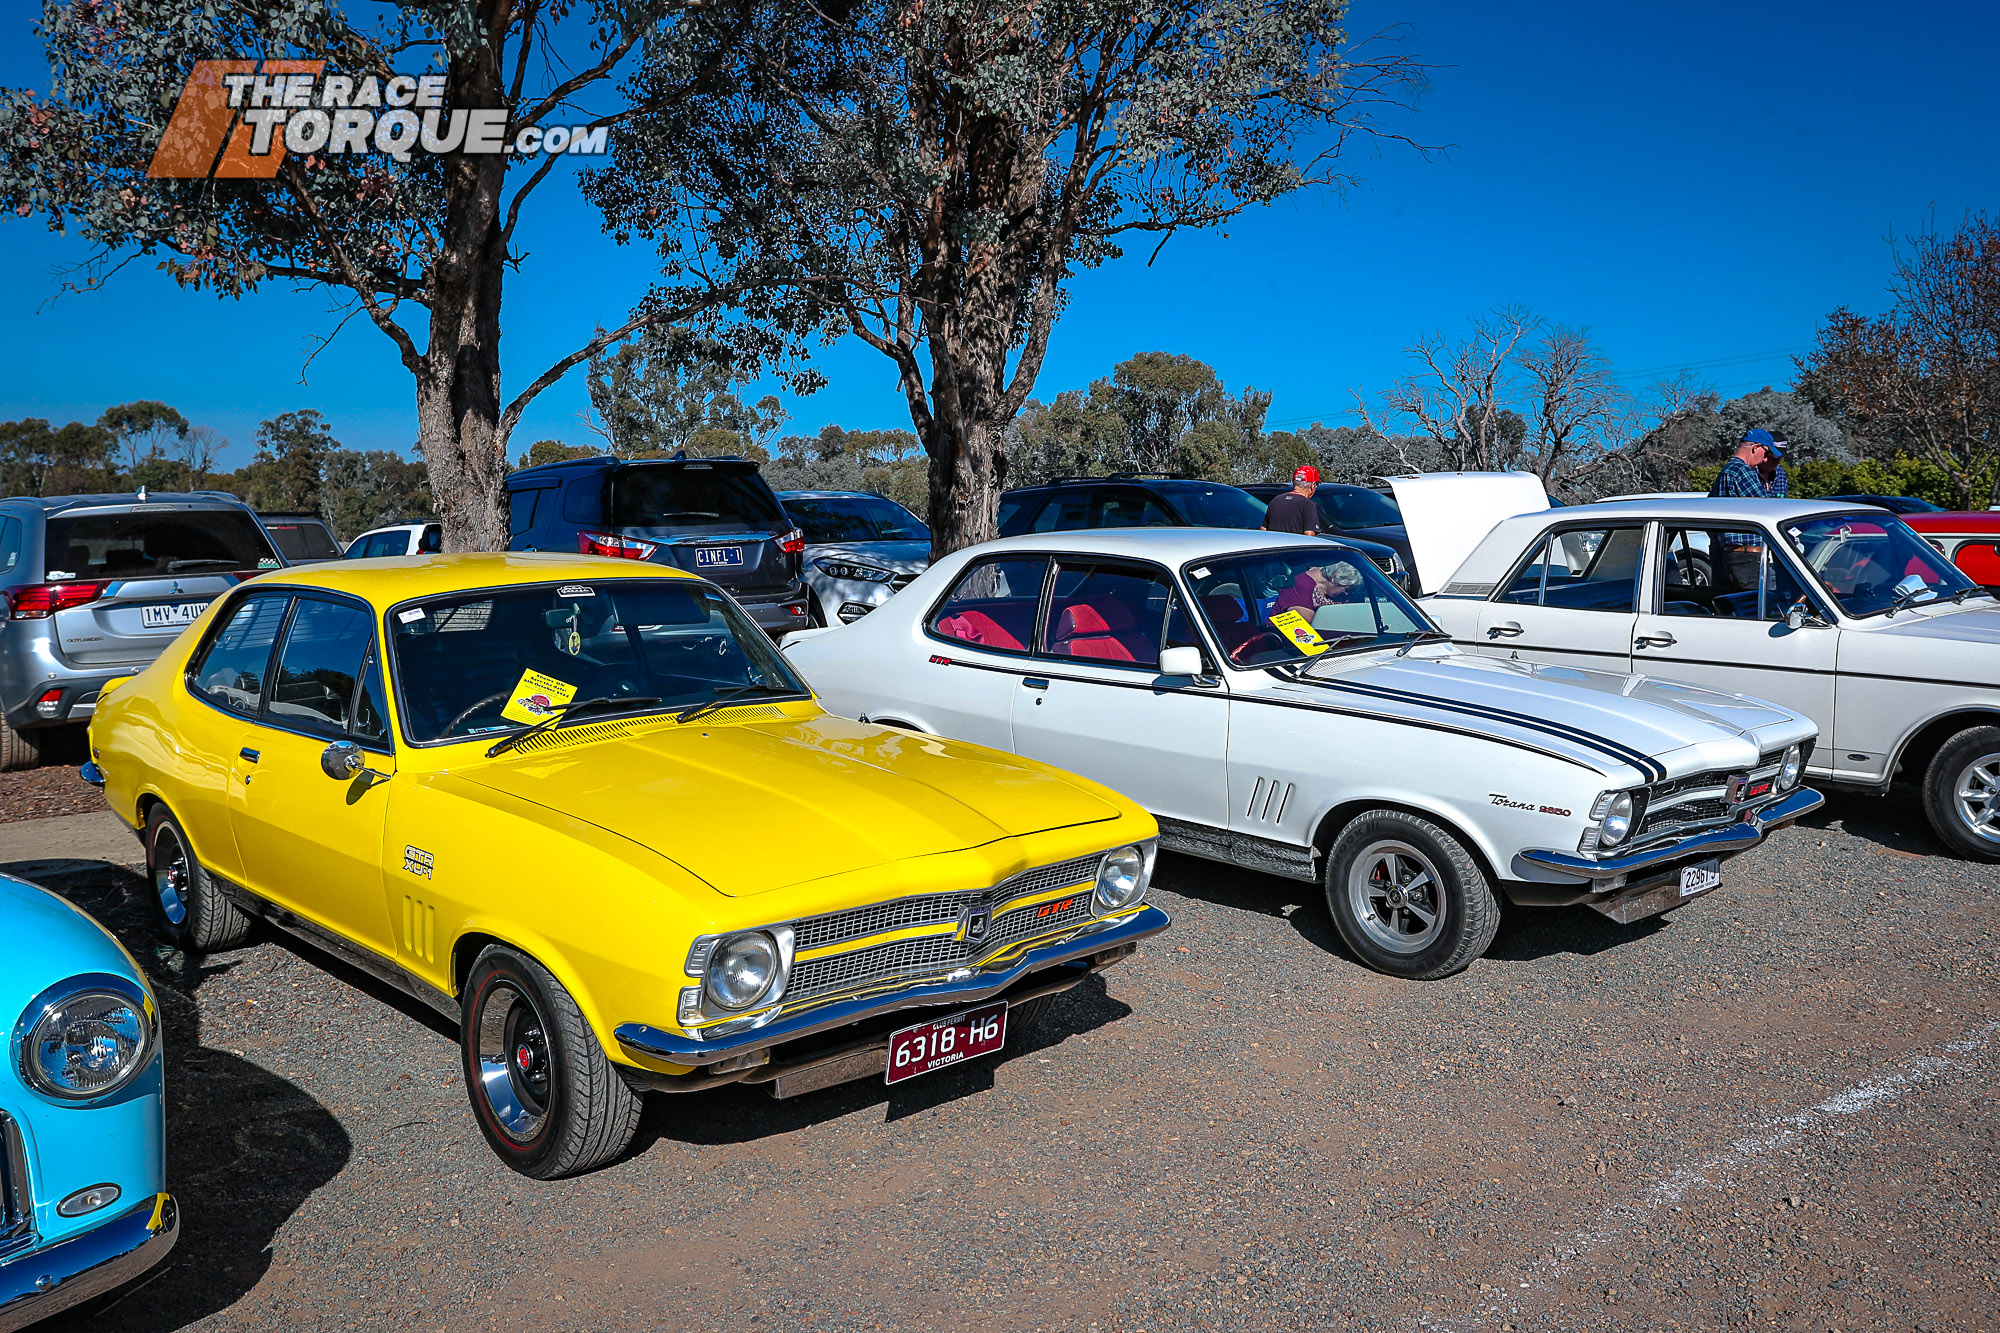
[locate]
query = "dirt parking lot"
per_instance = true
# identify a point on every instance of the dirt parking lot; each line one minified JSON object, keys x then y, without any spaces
{"x":1774,"y":1108}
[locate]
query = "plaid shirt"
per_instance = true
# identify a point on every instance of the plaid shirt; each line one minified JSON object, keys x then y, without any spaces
{"x":1740,"y":481}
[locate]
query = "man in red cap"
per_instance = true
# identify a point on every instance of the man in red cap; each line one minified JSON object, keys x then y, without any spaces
{"x":1296,"y":510}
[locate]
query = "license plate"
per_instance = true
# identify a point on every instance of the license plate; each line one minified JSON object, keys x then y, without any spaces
{"x":1700,"y":878}
{"x":710,"y":557}
{"x":171,"y":616}
{"x":932,"y":1046}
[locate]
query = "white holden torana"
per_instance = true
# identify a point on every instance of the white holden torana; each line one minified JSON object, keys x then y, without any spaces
{"x":1280,"y":705}
{"x":1837,"y":611}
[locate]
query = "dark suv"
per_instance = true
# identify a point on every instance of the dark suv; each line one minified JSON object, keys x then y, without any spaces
{"x":1146,"y":500}
{"x":716,"y":517}
{"x":96,"y":586}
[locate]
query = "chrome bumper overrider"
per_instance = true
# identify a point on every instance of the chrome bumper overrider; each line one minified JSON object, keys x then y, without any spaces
{"x":1716,"y":842}
{"x":41,"y":1282}
{"x":659,"y":1044}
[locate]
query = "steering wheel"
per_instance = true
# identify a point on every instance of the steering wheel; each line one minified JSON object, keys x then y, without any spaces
{"x":1256,"y":643}
{"x":489,"y":699}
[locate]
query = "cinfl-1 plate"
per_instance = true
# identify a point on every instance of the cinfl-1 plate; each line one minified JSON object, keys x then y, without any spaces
{"x":717,"y":557}
{"x":948,"y":1041}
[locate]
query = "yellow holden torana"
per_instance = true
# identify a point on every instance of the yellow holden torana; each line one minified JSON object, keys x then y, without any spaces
{"x":583,"y":807}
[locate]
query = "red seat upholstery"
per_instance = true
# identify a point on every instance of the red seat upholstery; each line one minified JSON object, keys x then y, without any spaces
{"x":1101,"y":629}
{"x":980,"y":628}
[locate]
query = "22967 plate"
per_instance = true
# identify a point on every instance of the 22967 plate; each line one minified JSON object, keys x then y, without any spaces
{"x":1701,"y":877}
{"x":931,"y":1046}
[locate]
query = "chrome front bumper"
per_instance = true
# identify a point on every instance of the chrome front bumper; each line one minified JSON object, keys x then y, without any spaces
{"x":1727,"y":841}
{"x":42,"y":1282}
{"x":674,"y":1048}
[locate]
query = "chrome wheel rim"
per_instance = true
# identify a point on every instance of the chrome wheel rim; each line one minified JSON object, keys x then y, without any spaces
{"x":515,"y":1074}
{"x":1397,"y":895}
{"x":171,"y":874}
{"x":1976,"y":797}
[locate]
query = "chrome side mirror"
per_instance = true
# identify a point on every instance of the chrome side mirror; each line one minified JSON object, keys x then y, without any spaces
{"x":1909,"y":588}
{"x":340,"y":760}
{"x":1180,"y":662}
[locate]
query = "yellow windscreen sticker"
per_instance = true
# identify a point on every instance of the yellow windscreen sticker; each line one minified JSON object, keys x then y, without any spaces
{"x":534,"y":696}
{"x":1299,"y":630}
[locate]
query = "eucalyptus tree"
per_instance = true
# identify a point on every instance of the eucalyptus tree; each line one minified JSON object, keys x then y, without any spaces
{"x":928,"y":175}
{"x":418,"y":241}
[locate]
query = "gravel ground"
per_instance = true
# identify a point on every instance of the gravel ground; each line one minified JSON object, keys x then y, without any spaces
{"x":43,"y":793}
{"x":1774,"y":1108}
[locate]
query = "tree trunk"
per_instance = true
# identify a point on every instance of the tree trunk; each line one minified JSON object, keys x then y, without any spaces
{"x":458,"y":378}
{"x":967,"y":471}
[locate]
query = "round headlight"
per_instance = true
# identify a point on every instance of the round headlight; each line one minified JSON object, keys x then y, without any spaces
{"x":87,"y":1043}
{"x":1789,"y":768}
{"x":742,"y":970}
{"x":1121,"y":878}
{"x":1617,"y":824}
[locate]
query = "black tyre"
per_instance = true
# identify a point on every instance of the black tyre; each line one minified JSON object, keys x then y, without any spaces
{"x":816,"y":612}
{"x":1962,"y":793}
{"x":1408,"y":897}
{"x":19,"y":749}
{"x":542,"y":1090}
{"x":191,"y":908}
{"x":1029,"y":1013}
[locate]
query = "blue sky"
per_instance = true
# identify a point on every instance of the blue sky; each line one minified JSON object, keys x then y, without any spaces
{"x":1698,"y":184}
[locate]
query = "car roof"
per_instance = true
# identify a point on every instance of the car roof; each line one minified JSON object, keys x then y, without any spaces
{"x":1981,"y":521}
{"x":199,"y":499}
{"x":832,"y":495}
{"x":607,"y":462}
{"x":1167,"y":546}
{"x":398,"y":578}
{"x":417,"y":526}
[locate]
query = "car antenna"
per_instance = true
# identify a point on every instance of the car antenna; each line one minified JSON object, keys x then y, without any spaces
{"x":142,"y":495}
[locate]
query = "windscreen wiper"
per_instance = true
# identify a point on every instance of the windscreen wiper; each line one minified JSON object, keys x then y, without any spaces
{"x":1415,"y":637}
{"x":724,"y":696}
{"x":561,"y":713}
{"x":175,"y":566}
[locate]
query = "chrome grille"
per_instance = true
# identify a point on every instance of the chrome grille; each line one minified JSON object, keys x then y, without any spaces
{"x":937,"y":908}
{"x":1698,"y":801}
{"x":898,"y":960}
{"x":1385,"y":563}
{"x":17,"y":1215}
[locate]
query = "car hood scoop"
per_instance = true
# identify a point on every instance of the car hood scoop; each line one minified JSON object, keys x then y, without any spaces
{"x":751,"y":807}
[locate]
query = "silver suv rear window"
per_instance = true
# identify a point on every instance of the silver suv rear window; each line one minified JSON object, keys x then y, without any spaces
{"x":135,"y":544}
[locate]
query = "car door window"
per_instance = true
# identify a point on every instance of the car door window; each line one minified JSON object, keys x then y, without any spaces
{"x":1980,"y":562}
{"x":1066,"y":512}
{"x":1581,"y":569}
{"x":1115,"y":614}
{"x":993,"y":604}
{"x":319,"y":666}
{"x":432,"y":541}
{"x":371,"y":721}
{"x":1128,"y":507}
{"x":232,"y":670}
{"x":1727,"y":574}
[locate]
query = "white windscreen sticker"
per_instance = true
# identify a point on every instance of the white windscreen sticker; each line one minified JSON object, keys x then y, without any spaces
{"x":414,"y":613}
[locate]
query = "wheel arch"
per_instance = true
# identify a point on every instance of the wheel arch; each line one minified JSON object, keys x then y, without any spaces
{"x":478,"y":936}
{"x":1918,"y":748}
{"x":1338,"y":817}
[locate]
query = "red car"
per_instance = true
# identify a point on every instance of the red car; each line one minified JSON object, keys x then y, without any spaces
{"x":1972,"y":540}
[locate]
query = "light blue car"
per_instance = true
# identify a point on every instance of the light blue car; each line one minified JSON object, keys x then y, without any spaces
{"x":83,"y":1207}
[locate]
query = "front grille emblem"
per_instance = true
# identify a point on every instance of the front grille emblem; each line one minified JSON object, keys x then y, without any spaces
{"x":976,"y":921}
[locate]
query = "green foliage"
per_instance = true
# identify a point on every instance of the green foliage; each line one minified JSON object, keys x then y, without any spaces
{"x":553,"y":451}
{"x":286,"y":474}
{"x":360,"y":490}
{"x":887,"y":461}
{"x":668,"y":389}
{"x":38,"y":459}
{"x":1155,"y":412}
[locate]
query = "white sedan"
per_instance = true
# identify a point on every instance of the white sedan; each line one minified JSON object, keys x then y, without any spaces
{"x":1836,"y":611}
{"x":1280,"y":705}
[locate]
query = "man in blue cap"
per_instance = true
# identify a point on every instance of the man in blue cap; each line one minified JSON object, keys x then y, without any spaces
{"x":1756,"y":471}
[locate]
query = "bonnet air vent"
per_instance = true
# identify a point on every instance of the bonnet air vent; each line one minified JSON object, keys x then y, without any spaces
{"x":747,"y":713}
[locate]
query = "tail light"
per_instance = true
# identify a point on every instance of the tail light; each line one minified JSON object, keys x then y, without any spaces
{"x":620,"y":548}
{"x":39,"y":601}
{"x":793,"y":542}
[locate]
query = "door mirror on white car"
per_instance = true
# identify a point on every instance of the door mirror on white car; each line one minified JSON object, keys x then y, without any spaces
{"x":1799,"y":617}
{"x":1181,"y":662}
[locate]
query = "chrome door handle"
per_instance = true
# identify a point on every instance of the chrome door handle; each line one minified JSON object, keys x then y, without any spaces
{"x":1034,"y":682}
{"x":1510,"y":628}
{"x":249,"y":754}
{"x":1654,"y":641}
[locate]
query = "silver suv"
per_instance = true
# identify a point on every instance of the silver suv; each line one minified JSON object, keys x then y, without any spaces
{"x":95,"y":586}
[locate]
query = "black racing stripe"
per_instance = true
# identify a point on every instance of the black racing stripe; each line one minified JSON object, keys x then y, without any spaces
{"x":1443,"y":728}
{"x":1638,"y":759}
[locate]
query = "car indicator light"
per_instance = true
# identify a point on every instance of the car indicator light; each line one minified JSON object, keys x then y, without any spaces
{"x":619,"y":548}
{"x":793,"y":542}
{"x":39,"y":601}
